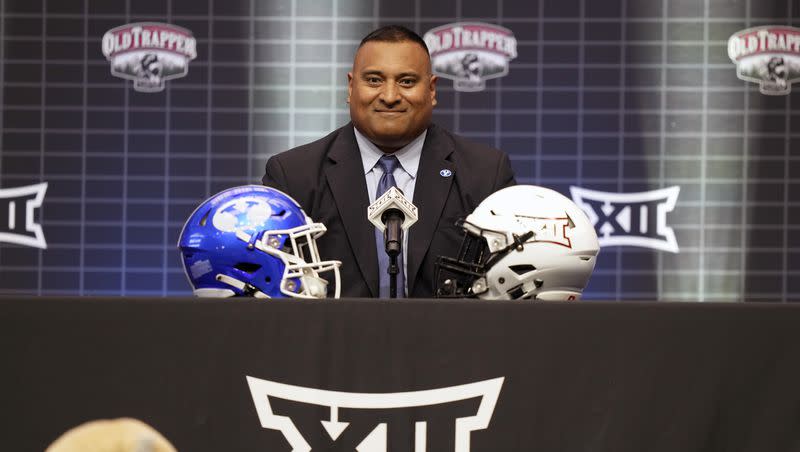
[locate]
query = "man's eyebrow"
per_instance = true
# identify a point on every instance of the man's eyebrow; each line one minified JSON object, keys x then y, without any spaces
{"x":371,"y":72}
{"x":378,"y":72}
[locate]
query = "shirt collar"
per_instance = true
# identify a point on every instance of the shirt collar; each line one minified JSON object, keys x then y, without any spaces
{"x":408,"y":156}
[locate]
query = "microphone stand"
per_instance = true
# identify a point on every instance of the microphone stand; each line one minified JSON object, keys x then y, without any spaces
{"x":393,"y":235}
{"x":393,"y":270}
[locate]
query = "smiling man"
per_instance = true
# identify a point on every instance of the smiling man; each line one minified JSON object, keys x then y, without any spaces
{"x":389,"y":141}
{"x":391,"y":92}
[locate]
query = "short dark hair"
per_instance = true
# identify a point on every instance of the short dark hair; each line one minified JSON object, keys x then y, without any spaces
{"x":394,"y":33}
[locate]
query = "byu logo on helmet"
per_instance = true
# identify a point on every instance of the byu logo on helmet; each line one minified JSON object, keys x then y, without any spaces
{"x":633,"y":219}
{"x":360,"y":421}
{"x":17,"y":224}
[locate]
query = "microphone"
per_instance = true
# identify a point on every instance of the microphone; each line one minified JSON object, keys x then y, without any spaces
{"x":391,"y":205}
{"x":392,"y":213}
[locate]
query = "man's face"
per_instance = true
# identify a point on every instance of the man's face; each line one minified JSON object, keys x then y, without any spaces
{"x":391,"y":92}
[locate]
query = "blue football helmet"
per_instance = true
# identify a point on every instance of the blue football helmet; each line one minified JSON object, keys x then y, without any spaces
{"x":254,"y":241}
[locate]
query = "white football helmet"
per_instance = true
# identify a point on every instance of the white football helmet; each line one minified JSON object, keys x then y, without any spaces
{"x":522,"y":242}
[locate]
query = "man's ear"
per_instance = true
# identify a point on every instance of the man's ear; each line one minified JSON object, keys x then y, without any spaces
{"x":349,"y":86}
{"x":433,"y":89}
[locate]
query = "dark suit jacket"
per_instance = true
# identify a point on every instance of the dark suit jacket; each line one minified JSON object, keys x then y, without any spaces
{"x":327,"y":178}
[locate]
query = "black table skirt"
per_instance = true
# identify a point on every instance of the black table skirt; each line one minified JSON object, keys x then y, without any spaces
{"x":586,"y":376}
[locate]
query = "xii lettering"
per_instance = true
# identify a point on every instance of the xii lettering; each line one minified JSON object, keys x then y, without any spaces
{"x":630,"y":219}
{"x":419,"y":421}
{"x":410,"y":429}
{"x":636,"y":219}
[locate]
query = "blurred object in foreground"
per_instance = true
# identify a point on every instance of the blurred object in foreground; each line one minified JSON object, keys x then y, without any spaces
{"x":115,"y":435}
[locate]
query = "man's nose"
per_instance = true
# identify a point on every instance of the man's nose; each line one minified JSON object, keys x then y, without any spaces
{"x":390,"y":95}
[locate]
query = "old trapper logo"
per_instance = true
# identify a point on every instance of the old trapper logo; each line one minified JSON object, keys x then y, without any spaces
{"x":316,"y":419}
{"x":149,"y":53}
{"x":769,"y":56}
{"x":470,"y":53}
{"x":17,"y":224}
{"x":633,"y":219}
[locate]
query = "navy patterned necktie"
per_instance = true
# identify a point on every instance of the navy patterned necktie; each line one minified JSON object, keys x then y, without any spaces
{"x":388,"y":164}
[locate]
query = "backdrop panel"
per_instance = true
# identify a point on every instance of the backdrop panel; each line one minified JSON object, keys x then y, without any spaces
{"x":640,"y":101}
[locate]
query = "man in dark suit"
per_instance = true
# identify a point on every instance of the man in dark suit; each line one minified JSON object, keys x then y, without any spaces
{"x":391,"y":92}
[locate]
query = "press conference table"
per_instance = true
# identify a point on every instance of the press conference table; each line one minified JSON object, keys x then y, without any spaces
{"x":587,"y":376}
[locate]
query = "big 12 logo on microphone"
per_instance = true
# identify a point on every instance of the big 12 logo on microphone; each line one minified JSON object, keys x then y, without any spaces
{"x":430,"y":420}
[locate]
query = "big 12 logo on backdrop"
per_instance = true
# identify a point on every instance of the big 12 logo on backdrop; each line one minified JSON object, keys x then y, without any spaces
{"x":17,"y":222}
{"x":632,"y":219}
{"x":317,"y":419}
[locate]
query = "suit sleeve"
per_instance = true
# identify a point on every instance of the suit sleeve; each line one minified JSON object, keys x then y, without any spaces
{"x":274,"y":175}
{"x":504,"y":176}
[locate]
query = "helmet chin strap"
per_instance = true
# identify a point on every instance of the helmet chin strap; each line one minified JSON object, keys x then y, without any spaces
{"x":246,"y":288}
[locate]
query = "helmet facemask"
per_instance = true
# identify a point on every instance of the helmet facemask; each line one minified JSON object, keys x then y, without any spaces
{"x":455,"y":277}
{"x":466,"y":275}
{"x":300,"y":255}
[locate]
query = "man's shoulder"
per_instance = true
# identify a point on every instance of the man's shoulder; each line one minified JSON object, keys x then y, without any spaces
{"x":468,"y":149}
{"x":480,"y":168}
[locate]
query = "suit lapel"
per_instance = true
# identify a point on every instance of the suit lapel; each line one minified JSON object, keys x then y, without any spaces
{"x":349,"y":188}
{"x":430,"y":195}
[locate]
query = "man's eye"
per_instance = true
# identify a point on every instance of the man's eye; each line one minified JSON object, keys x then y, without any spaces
{"x":373,"y":80}
{"x":407,"y":82}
